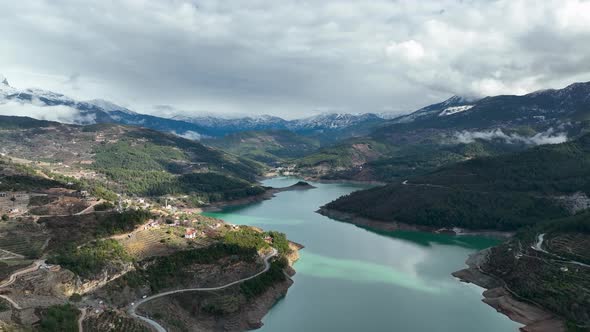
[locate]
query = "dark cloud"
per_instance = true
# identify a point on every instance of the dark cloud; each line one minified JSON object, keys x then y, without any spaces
{"x":292,"y":58}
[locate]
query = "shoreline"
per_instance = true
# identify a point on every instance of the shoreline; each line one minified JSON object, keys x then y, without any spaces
{"x":248,"y":317}
{"x":399,"y":226}
{"x":496,"y":294}
{"x":499,"y":297}
{"x":268,"y":194}
{"x":350,"y":181}
{"x":320,"y":180}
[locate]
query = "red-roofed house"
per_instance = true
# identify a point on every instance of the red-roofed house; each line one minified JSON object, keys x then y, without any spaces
{"x":190,"y":233}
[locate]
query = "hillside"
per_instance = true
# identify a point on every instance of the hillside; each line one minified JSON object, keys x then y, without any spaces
{"x":551,"y":106}
{"x":129,"y":159}
{"x":270,"y":146}
{"x":455,"y":130}
{"x":504,"y":192}
{"x":546,"y":266}
{"x":67,"y":252}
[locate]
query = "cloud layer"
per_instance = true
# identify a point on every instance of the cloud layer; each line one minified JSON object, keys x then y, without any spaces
{"x":292,"y":57}
{"x":547,"y":137}
{"x":38,"y":110}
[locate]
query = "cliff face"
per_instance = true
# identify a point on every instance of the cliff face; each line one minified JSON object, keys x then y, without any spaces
{"x":106,"y":276}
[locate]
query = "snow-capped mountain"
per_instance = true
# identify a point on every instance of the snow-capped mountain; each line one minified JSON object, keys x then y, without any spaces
{"x":48,"y":105}
{"x":319,"y":123}
{"x":543,"y":107}
{"x":334,"y":121}
{"x":223,"y":125}
{"x":444,"y":108}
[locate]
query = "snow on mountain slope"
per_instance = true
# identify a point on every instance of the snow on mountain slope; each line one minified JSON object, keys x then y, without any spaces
{"x":38,"y":102}
{"x":321,"y":122}
{"x":331,"y":121}
{"x":454,"y":101}
{"x":455,"y":109}
{"x":48,"y":105}
{"x":109,"y":107}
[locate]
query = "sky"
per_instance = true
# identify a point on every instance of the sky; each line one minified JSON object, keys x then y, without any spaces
{"x":292,"y":58}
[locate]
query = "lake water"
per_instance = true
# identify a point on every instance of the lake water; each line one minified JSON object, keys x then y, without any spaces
{"x":353,"y":279}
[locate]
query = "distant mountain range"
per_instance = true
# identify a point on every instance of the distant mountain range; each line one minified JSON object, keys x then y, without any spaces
{"x":318,"y":124}
{"x":543,"y":107}
{"x":102,"y":111}
{"x":454,"y":130}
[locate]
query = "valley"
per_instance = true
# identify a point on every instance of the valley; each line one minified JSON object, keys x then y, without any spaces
{"x":79,"y":246}
{"x":122,"y":227}
{"x":295,"y":166}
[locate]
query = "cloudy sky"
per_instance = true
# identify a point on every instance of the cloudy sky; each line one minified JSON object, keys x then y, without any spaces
{"x":291,"y":57}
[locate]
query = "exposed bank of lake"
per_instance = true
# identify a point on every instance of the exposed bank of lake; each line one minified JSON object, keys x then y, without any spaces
{"x":353,"y":279}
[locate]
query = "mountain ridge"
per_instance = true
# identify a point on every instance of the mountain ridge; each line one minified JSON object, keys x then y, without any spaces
{"x":103,"y":111}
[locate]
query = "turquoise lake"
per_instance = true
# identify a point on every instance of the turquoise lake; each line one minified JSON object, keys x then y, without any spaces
{"x":353,"y":279}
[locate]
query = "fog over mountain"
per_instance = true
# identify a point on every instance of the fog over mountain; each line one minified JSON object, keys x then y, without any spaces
{"x":291,"y":58}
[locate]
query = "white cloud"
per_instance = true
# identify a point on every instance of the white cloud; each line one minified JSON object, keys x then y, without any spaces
{"x":291,"y":57}
{"x":547,"y":137}
{"x":34,"y":110}
{"x":189,"y":134}
{"x":411,"y":50}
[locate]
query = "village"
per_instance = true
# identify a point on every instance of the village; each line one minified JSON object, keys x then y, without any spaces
{"x":30,"y":282}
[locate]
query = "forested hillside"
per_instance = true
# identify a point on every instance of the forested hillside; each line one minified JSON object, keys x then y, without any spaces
{"x":453,"y":131}
{"x":129,"y":160}
{"x":268,"y":146}
{"x":503,"y":192}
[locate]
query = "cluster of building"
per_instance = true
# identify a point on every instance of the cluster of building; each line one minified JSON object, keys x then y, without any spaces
{"x":286,"y":170}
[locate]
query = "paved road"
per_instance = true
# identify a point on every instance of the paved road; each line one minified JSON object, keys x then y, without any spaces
{"x":159,"y":327}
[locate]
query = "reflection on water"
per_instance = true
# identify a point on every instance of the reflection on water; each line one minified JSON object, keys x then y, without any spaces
{"x":359,"y":271}
{"x":353,"y":279}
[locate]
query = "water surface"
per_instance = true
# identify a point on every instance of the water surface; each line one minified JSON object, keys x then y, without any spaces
{"x":353,"y":279}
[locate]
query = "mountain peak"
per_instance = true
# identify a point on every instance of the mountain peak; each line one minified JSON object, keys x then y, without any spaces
{"x":3,"y":80}
{"x":458,"y":100}
{"x":585,"y":86}
{"x":110,"y":107}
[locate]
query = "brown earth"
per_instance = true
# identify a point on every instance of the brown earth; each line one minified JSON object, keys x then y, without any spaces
{"x":535,"y":318}
{"x":398,"y":226}
{"x":222,"y":310}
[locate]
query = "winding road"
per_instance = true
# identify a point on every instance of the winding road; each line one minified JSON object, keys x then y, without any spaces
{"x":14,"y":304}
{"x":81,"y":320}
{"x":538,"y":246}
{"x":34,"y":267}
{"x":158,"y":327}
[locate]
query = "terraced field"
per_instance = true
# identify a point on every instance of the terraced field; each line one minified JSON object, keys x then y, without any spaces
{"x":556,"y":285}
{"x":6,"y":255}
{"x":112,"y":321}
{"x":571,"y":245}
{"x":7,"y":267}
{"x":26,"y":239}
{"x":158,"y":242}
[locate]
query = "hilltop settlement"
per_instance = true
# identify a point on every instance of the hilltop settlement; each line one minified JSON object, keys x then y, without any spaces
{"x":100,"y":231}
